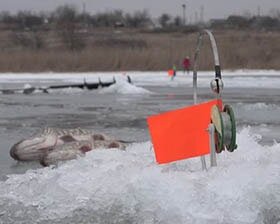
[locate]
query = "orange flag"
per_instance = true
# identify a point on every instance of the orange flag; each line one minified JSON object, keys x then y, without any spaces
{"x":182,"y":133}
{"x":171,"y":72}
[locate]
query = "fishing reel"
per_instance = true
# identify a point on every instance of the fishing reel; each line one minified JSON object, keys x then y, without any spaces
{"x":225,"y":128}
{"x":223,"y":119}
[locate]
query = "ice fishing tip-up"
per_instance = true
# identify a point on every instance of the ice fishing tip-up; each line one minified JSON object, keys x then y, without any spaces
{"x":198,"y":130}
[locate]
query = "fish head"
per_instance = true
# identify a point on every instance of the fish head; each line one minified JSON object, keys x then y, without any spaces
{"x":32,"y":148}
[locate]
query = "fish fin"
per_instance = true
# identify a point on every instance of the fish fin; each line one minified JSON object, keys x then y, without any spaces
{"x":98,"y":137}
{"x":67,"y":138}
{"x":114,"y":144}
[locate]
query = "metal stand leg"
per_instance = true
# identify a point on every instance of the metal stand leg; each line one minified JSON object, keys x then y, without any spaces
{"x":203,"y":162}
{"x":213,"y":159}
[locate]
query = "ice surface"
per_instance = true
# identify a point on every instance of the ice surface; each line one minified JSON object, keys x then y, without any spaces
{"x":231,"y":78}
{"x":259,"y":106}
{"x":112,"y":186}
{"x":255,"y":113}
{"x":65,"y":91}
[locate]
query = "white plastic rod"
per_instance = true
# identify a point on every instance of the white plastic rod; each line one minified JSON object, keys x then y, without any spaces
{"x":214,"y":48}
{"x":195,"y":66}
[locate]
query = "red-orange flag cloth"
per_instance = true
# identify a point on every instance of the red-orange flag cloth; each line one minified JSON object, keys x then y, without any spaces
{"x":181,"y":133}
{"x":170,"y":72}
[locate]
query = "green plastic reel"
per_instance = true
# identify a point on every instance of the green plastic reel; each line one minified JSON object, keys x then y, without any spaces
{"x":225,"y":128}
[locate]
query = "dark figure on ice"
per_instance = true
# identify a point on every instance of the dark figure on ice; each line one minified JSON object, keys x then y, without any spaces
{"x":186,"y":64}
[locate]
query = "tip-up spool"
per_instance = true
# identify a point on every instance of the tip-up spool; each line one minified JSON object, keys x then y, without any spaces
{"x":225,"y":128}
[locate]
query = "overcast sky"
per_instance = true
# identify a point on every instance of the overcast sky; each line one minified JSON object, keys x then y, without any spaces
{"x":212,"y":8}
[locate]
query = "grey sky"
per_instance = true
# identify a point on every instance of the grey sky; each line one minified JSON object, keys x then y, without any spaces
{"x":212,"y":8}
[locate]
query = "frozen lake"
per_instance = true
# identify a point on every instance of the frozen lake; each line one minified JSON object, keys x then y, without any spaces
{"x":129,"y":187}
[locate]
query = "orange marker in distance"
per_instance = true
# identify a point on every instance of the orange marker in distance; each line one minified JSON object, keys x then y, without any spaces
{"x":171,"y":72}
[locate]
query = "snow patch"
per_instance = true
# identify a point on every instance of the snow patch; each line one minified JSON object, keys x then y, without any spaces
{"x":243,"y":186}
{"x":123,"y":87}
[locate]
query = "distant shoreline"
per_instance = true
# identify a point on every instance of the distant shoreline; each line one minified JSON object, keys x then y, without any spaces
{"x":109,"y":74}
{"x":134,"y":50}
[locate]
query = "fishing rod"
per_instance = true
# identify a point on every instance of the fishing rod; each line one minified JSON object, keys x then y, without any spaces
{"x":222,"y":129}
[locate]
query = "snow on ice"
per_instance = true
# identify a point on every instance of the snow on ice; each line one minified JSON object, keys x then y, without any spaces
{"x":110,"y":186}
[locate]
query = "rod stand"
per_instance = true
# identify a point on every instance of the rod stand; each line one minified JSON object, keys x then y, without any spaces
{"x":213,"y":159}
{"x":203,"y":162}
{"x":217,"y":76}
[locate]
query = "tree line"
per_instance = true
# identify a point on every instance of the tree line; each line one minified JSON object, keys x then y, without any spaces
{"x":244,"y":22}
{"x":70,"y":14}
{"x":27,"y":29}
{"x":117,"y":18}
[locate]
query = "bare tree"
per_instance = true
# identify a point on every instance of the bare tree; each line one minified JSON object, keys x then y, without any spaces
{"x":138,"y":19}
{"x":108,"y":19}
{"x":164,"y":19}
{"x":29,"y":20}
{"x":67,"y":26}
{"x":178,"y":21}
